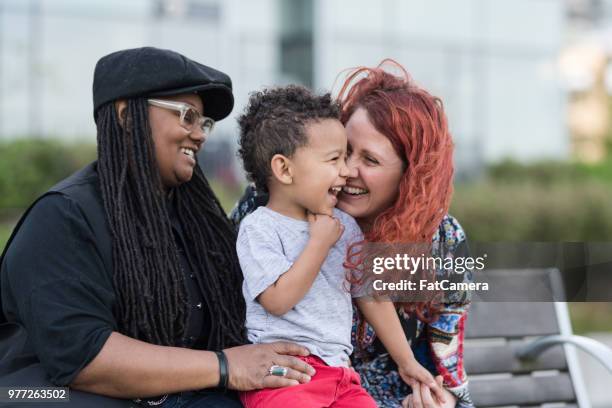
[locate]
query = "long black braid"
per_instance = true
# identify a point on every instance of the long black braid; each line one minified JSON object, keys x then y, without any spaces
{"x":152,"y":300}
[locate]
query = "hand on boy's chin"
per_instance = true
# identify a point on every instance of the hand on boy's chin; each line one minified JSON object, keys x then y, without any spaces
{"x":329,"y":212}
{"x":321,"y":210}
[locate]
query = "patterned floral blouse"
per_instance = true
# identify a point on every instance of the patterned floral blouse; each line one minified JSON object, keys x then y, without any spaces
{"x":438,"y":346}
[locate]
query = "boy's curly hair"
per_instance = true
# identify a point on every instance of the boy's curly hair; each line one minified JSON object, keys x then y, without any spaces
{"x":274,"y":122}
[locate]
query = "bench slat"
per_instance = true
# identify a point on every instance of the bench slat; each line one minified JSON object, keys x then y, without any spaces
{"x":519,"y":285}
{"x":490,"y":359}
{"x":511,"y":319}
{"x":539,"y":406}
{"x":522,"y":390}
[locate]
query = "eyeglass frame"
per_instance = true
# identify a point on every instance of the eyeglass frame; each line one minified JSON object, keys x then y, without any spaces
{"x":183,"y":108}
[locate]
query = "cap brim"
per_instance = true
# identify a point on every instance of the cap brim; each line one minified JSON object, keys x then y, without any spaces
{"x":217,"y":99}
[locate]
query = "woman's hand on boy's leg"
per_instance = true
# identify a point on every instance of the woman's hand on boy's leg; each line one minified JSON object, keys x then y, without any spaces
{"x":249,"y":366}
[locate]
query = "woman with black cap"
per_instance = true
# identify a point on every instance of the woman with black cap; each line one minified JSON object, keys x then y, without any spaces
{"x":122,"y":281}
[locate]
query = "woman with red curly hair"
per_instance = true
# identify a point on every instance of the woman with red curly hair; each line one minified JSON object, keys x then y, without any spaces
{"x":399,"y":191}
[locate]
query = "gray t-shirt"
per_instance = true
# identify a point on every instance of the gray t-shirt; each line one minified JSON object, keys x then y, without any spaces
{"x":268,"y":244}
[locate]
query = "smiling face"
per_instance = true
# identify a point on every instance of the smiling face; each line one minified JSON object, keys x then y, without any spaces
{"x":375,"y":171}
{"x":318,"y":170}
{"x":175,"y":147}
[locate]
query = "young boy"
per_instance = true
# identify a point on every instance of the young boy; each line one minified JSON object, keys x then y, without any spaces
{"x":291,"y":251}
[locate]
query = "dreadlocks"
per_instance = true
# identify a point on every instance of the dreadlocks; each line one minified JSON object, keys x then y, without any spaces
{"x":151,"y":293}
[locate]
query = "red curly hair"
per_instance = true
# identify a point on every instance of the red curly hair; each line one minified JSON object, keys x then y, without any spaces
{"x":415,"y":123}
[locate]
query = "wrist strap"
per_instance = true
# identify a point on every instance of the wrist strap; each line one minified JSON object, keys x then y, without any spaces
{"x":223,"y":371}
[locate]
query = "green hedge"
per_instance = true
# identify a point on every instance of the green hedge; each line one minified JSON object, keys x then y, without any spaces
{"x":548,"y":201}
{"x":5,"y":233}
{"x":543,"y":201}
{"x":591,"y":317}
{"x":549,"y":172}
{"x":579,"y":211}
{"x":28,"y":167}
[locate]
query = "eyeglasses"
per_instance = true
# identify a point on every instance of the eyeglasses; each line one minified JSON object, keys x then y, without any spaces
{"x":190,"y":118}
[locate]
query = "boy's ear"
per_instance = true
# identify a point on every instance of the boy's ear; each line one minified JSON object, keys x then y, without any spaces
{"x":281,"y":169}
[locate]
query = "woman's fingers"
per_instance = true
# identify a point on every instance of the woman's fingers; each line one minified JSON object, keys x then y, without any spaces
{"x":292,"y":375}
{"x":284,"y":347}
{"x":450,"y":399}
{"x":440,"y":380}
{"x":294,"y":363}
{"x":438,"y":390}
{"x":417,"y":402}
{"x":272,"y":381}
{"x":421,"y":396}
{"x":425,"y":378}
{"x":426,"y":397}
{"x":299,"y":376}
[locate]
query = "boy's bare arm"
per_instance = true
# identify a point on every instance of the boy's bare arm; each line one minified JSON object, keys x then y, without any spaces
{"x":292,"y":286}
{"x":382,"y":316}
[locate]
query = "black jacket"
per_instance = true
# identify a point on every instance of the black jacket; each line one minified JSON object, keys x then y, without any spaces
{"x":57,"y":289}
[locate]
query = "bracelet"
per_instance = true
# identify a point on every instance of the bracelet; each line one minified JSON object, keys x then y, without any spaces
{"x":223,"y":371}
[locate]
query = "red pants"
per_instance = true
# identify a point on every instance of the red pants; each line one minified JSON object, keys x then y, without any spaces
{"x":335,"y":387}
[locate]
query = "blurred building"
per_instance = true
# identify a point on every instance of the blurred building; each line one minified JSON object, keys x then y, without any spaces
{"x":586,"y":69}
{"x":494,"y":63}
{"x":49,"y":49}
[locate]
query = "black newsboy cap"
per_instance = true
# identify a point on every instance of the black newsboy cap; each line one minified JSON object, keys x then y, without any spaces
{"x":150,"y":71}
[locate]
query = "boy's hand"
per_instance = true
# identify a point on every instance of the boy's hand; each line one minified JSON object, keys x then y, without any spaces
{"x":324,"y":229}
{"x":413,"y":373}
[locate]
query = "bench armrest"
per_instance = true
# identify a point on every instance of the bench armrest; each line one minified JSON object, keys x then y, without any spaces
{"x":593,"y":347}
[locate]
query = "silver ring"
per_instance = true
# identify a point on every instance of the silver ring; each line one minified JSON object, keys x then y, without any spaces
{"x":278,"y":371}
